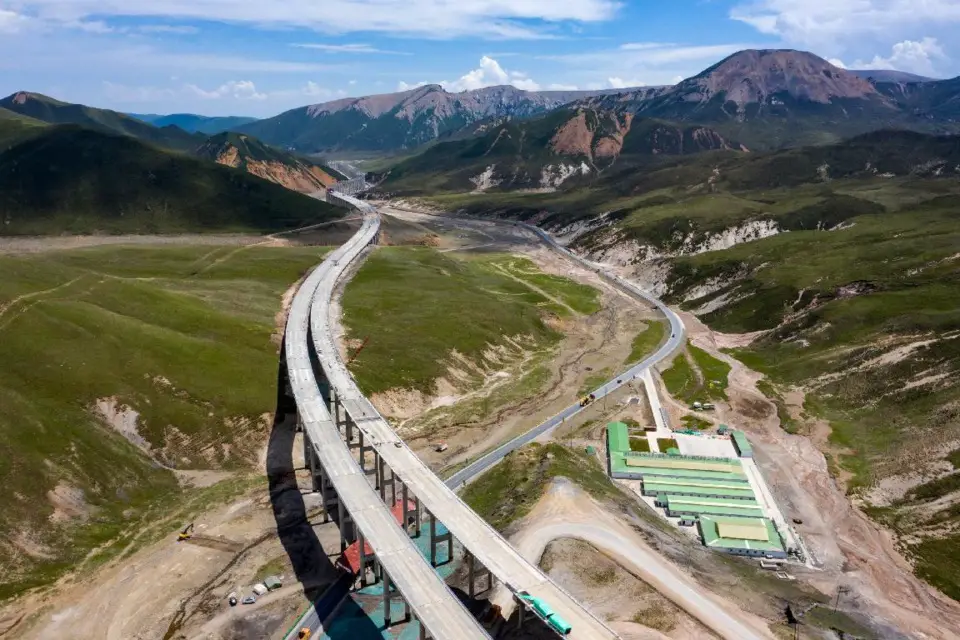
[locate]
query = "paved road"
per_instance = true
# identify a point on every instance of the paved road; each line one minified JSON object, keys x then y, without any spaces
{"x":433,"y":603}
{"x":677,"y":330}
{"x":486,"y":544}
{"x":654,"y":570}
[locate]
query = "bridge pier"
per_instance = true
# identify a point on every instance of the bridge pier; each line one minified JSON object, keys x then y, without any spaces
{"x":472,"y":575}
{"x":436,"y":540}
{"x":383,"y":481}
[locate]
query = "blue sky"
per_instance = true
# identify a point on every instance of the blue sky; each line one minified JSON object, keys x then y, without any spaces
{"x":261,"y":57}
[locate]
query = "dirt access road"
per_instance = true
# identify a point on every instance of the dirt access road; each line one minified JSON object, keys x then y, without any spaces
{"x":565,"y":511}
{"x":852,"y":550}
{"x":592,"y":344}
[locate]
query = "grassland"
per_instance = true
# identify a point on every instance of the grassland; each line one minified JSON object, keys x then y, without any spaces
{"x":640,"y":444}
{"x":182,"y":335}
{"x":681,"y":379}
{"x":693,"y":422}
{"x":508,"y":495}
{"x":646,"y":342}
{"x":419,"y":306}
{"x":667,"y":443}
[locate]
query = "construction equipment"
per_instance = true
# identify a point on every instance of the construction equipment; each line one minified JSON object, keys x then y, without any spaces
{"x":186,"y":534}
{"x":359,"y":349}
{"x":304,"y":634}
{"x":587,"y":400}
{"x":440,"y":447}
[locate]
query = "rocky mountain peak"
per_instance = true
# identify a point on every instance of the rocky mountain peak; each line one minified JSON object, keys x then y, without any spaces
{"x":754,"y":76}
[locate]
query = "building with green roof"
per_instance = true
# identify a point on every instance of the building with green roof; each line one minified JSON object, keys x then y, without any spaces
{"x":680,"y":506}
{"x":757,"y":537}
{"x":661,"y":490}
{"x":741,"y":444}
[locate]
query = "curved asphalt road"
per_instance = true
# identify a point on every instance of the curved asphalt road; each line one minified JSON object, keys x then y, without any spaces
{"x":677,"y":330}
{"x":312,"y":620}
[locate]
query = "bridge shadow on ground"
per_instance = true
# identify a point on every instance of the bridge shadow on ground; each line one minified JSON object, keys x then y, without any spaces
{"x":311,"y":563}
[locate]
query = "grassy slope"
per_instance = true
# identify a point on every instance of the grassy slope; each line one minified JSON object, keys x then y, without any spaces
{"x":417,"y":305}
{"x":887,"y":275}
{"x":53,"y":111}
{"x":183,"y":341}
{"x":72,"y":180}
{"x":509,"y":494}
{"x":646,"y":342}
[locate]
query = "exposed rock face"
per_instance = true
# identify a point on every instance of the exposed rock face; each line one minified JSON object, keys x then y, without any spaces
{"x":754,"y":76}
{"x":249,"y":154}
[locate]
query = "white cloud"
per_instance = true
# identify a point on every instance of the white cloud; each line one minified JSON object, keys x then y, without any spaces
{"x":236,"y":89}
{"x":489,"y":74}
{"x":430,"y":18}
{"x":676,"y":79}
{"x":403,"y":86}
{"x":837,"y":62}
{"x":168,"y":28}
{"x":833,"y":23}
{"x":12,"y":22}
{"x":620,"y":83}
{"x":562,"y":87}
{"x":916,"y":57}
{"x":349,"y":48}
{"x":656,"y":63}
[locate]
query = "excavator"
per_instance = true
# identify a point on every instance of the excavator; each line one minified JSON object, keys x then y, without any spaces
{"x":186,"y":534}
{"x":587,"y":400}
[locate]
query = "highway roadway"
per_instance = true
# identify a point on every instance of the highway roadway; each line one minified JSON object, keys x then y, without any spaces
{"x":430,"y":599}
{"x":486,"y":544}
{"x":483,"y":541}
{"x":677,"y":333}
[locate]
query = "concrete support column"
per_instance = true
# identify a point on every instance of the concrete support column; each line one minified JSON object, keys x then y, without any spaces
{"x":521,"y":611}
{"x":341,"y":512}
{"x":363,"y":559}
{"x":378,"y":469}
{"x":386,"y":597}
{"x":437,"y":539}
{"x":471,"y":576}
{"x":305,"y":441}
{"x":417,"y":519}
{"x":406,"y":512}
{"x":363,"y":455}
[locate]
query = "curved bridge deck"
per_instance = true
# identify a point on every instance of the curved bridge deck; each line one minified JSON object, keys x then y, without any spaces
{"x":479,"y":538}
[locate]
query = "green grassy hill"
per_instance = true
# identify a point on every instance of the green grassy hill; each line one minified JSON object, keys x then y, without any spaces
{"x":181,"y":335}
{"x":195,"y":124}
{"x":74,"y":180}
{"x":846,"y":256}
{"x":52,"y":111}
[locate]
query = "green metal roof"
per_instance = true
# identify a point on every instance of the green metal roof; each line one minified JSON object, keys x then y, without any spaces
{"x":681,"y":473}
{"x":709,"y":484}
{"x":733,"y":462}
{"x":678,"y":507}
{"x":618,"y":437}
{"x":720,"y":502}
{"x":708,"y":530}
{"x":694,"y":490}
{"x":743,"y":446}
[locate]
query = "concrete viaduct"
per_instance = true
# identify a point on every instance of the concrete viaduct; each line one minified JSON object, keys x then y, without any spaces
{"x":362,"y":469}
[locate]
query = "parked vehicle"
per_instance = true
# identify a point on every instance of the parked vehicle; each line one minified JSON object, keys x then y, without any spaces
{"x":249,"y":600}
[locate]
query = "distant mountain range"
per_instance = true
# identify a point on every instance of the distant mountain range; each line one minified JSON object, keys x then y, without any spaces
{"x":238,"y":151}
{"x":194,"y":123}
{"x":771,"y":99}
{"x":565,"y":146}
{"x":402,"y":120}
{"x":71,"y":179}
{"x":52,"y":111}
